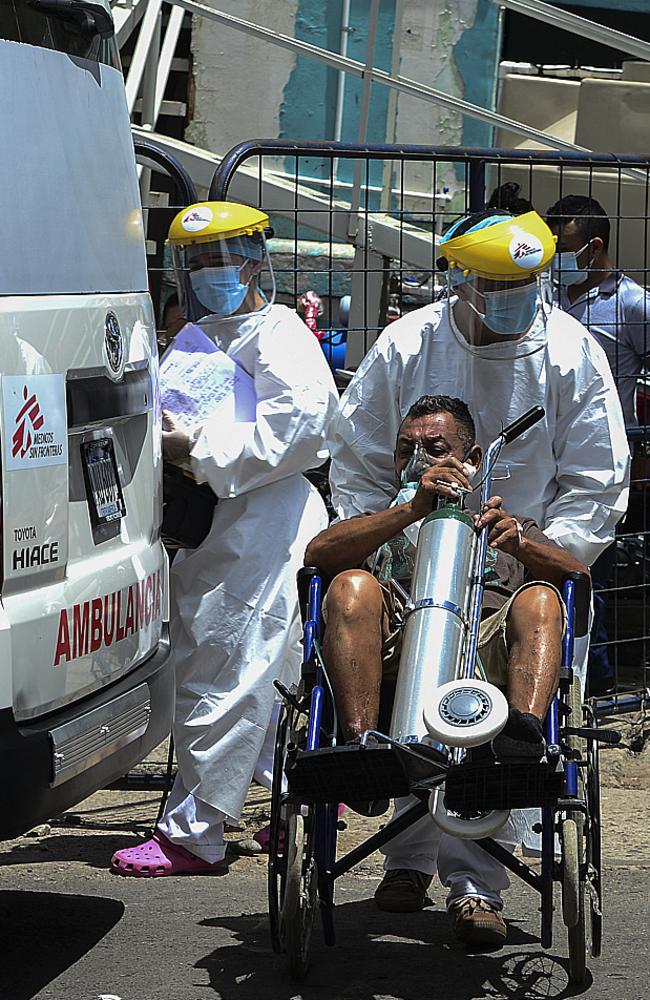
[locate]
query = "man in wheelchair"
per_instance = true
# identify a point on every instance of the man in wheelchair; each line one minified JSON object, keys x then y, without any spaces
{"x":368,"y":561}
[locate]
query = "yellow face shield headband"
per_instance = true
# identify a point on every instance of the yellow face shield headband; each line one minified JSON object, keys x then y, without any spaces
{"x":506,"y":251}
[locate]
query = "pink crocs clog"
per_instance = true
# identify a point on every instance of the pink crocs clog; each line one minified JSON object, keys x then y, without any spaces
{"x":158,"y":856}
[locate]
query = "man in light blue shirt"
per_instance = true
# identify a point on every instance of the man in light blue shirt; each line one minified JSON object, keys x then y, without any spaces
{"x":616,"y":310}
{"x":613,"y":307}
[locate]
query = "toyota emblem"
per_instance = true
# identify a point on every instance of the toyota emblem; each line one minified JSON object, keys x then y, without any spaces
{"x":113,"y":344}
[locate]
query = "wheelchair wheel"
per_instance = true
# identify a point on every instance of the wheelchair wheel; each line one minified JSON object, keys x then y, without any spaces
{"x":574,"y":867}
{"x":572,"y":887}
{"x":594,"y":845}
{"x":292,"y":878}
{"x":277,"y":842}
{"x":299,"y":898}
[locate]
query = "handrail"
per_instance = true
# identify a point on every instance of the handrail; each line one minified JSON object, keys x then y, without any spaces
{"x":538,"y":9}
{"x":404,"y":85}
{"x":533,"y":8}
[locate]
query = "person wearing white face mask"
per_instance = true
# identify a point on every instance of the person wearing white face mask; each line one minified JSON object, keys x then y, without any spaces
{"x":234,"y":606}
{"x":502,"y":354}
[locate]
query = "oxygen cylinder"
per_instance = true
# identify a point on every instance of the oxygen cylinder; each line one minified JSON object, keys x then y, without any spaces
{"x":435,"y":630}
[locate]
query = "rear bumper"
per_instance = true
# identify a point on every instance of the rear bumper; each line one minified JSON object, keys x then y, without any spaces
{"x":30,"y":789}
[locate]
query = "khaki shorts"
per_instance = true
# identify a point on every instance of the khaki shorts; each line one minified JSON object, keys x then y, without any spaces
{"x":492,"y":646}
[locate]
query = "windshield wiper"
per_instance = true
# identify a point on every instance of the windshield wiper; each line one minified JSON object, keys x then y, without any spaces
{"x":98,"y":17}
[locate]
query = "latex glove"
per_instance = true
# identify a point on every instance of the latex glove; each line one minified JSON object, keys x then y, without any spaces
{"x":175,"y":441}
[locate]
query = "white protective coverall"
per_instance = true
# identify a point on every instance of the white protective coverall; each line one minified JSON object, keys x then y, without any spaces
{"x":235,"y":619}
{"x":569,"y":472}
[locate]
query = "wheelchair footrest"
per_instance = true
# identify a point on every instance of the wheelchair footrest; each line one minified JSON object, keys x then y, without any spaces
{"x":346,"y":774}
{"x":480,"y":785}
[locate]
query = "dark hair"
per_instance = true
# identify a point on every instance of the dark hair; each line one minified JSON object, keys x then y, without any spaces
{"x":459,"y":410}
{"x":473,"y":219}
{"x":588,"y":214}
{"x":506,"y":197}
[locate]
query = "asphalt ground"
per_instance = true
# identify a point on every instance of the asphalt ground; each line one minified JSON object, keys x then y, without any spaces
{"x":71,"y":929}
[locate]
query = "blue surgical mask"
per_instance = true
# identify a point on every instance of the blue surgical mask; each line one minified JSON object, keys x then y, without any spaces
{"x":565,"y":270}
{"x":510,"y":310}
{"x":219,"y":289}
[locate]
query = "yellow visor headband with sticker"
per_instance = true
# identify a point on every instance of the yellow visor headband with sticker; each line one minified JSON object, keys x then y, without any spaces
{"x":216,"y":220}
{"x":509,"y":250}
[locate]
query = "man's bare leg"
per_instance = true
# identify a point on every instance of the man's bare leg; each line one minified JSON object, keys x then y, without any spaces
{"x":534,"y":638}
{"x":352,"y":649}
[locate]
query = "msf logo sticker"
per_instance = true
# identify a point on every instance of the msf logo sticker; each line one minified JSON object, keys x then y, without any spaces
{"x":28,"y":419}
{"x":34,"y":413}
{"x":196,"y":219}
{"x":526,"y":250}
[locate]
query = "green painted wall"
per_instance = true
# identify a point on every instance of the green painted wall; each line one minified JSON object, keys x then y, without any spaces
{"x":477,"y":54}
{"x":308,"y":109}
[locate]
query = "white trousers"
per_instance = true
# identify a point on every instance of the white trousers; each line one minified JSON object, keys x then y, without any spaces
{"x":462,"y":866}
{"x":193,"y":824}
{"x":198,"y":826}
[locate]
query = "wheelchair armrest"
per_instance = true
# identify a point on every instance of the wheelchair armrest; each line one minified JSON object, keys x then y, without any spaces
{"x":304,"y":577}
{"x":582,"y":582}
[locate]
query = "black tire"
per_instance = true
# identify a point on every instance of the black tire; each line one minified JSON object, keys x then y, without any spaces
{"x":594,"y":845}
{"x":571,"y":883}
{"x":574,"y":867}
{"x":292,"y":878}
{"x":299,"y":899}
{"x":277,"y":860}
{"x":578,"y":946}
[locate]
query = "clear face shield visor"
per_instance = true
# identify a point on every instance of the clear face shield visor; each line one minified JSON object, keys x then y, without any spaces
{"x":224,"y":277}
{"x":492,"y":312}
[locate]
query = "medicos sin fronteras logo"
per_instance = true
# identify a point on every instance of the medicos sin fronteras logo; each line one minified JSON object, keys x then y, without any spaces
{"x":526,"y":250}
{"x":34,"y":411}
{"x":29,"y":421}
{"x":196,"y":219}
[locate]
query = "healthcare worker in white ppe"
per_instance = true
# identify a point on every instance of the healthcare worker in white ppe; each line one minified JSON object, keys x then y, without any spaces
{"x":234,"y":614}
{"x":498,"y":342}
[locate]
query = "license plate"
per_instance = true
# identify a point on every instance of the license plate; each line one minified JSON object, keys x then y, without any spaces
{"x":103,"y":481}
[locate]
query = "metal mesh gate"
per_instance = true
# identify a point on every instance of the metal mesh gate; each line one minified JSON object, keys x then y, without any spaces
{"x":374,"y":236}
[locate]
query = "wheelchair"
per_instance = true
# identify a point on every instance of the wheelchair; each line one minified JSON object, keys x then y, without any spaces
{"x":314,"y":772}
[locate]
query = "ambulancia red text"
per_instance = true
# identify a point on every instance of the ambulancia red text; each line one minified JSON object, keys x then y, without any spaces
{"x":91,"y":625}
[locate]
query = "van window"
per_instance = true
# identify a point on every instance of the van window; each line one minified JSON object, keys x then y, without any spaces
{"x":21,"y":21}
{"x":69,"y":197}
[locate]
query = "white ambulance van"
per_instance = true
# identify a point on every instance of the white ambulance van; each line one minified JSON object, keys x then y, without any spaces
{"x":85,"y":680}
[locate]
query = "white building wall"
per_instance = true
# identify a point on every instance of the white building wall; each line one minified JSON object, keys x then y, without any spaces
{"x":429,"y":32}
{"x":239,"y":80}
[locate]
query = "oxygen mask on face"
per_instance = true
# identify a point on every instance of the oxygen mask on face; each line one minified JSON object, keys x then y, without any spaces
{"x":410,"y":477}
{"x":420,"y":461}
{"x":416,"y":466}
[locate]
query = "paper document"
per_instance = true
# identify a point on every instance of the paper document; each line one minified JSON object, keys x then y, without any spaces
{"x":197,"y":379}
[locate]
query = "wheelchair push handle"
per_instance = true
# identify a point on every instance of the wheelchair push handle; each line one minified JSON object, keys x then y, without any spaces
{"x":508,"y":434}
{"x":522,"y":424}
